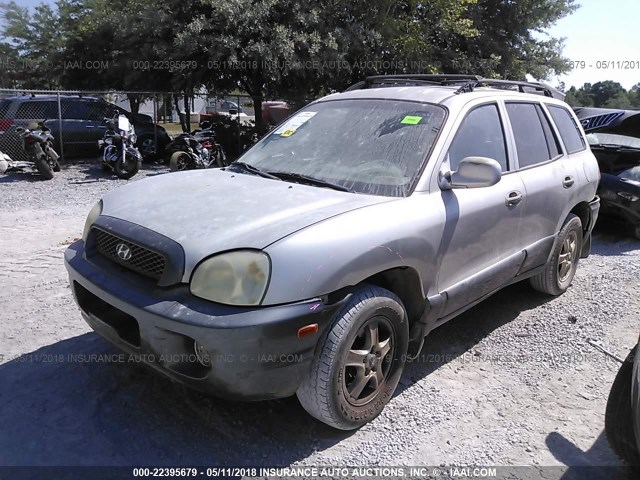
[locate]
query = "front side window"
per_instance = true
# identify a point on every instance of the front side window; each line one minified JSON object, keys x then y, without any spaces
{"x":376,"y":147}
{"x":479,"y":135}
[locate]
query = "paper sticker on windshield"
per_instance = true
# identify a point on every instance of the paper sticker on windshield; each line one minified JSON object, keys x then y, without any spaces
{"x":291,"y":125}
{"x":411,"y":120}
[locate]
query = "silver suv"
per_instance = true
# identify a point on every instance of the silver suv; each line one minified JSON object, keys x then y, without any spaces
{"x":317,"y":263}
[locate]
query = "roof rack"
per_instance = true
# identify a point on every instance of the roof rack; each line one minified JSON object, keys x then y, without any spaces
{"x":469,"y":83}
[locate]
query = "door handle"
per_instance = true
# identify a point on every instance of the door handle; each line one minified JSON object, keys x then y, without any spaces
{"x":513,"y":199}
{"x":568,"y":182}
{"x":88,"y":126}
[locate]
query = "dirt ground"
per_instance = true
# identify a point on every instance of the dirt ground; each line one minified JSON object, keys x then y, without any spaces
{"x":514,"y":381}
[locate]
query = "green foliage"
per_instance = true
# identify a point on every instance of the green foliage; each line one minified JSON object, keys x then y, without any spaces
{"x":607,"y":94}
{"x":293,"y":49}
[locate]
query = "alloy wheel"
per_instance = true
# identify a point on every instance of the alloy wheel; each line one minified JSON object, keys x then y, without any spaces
{"x":368,"y":361}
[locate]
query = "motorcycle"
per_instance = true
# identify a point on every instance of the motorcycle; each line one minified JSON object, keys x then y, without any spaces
{"x":37,"y":141}
{"x":118,"y":150}
{"x":198,"y":149}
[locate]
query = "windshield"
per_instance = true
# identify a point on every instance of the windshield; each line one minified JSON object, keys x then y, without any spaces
{"x":376,"y":147}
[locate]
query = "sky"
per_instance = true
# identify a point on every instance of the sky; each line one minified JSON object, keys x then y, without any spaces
{"x":601,"y":31}
{"x":601,"y":38}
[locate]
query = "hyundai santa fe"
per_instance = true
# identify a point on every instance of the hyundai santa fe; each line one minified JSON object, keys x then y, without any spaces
{"x":317,"y":263}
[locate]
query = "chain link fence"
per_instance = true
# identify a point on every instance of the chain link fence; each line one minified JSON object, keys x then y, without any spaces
{"x":77,"y":119}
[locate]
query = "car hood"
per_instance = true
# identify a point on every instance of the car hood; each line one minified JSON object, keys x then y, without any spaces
{"x":607,"y":120}
{"x":215,"y":210}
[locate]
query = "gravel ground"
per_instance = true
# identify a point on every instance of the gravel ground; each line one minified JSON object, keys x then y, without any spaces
{"x":513,"y":381}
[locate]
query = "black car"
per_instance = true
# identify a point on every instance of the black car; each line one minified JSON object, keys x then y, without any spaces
{"x":622,"y":418}
{"x":79,"y":126}
{"x":614,"y":137}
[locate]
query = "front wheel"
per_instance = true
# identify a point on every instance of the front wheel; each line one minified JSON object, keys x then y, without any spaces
{"x":126,"y":170}
{"x":42,"y":165}
{"x":358,"y":361}
{"x":561,"y":267}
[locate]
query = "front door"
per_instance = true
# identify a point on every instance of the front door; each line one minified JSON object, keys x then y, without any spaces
{"x":481,"y":248}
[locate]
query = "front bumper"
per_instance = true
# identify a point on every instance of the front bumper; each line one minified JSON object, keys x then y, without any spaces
{"x":253,"y":353}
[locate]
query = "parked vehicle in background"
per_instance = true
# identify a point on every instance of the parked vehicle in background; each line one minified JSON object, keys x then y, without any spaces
{"x":79,"y":129}
{"x":190,"y":151}
{"x":118,"y":149}
{"x":37,"y":143}
{"x":5,"y":160}
{"x":274,"y":112}
{"x":614,"y":137}
{"x":622,"y":418}
{"x":340,"y":240}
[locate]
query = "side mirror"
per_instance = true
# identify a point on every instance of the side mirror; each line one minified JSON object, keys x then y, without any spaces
{"x":233,"y":111}
{"x":473,"y":172}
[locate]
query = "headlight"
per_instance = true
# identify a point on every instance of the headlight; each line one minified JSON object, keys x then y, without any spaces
{"x":93,"y":215}
{"x":234,"y":278}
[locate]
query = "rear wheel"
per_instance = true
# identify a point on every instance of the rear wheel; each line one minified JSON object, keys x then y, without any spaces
{"x":181,"y":161}
{"x":619,"y":416}
{"x":147,"y":146}
{"x":358,"y":361}
{"x":561,"y":267}
{"x":42,"y":165}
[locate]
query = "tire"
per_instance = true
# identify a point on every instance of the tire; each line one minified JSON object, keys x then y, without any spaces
{"x":147,"y":146}
{"x":125,"y":172}
{"x":557,"y":275}
{"x":348,"y":396}
{"x":618,"y":420}
{"x":181,"y":161}
{"x":44,"y":168}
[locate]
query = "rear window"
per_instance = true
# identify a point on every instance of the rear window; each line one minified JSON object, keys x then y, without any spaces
{"x":568,"y":128}
{"x":37,"y":110}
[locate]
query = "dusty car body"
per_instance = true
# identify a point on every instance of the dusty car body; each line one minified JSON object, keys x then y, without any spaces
{"x":614,"y":137}
{"x":340,"y":240}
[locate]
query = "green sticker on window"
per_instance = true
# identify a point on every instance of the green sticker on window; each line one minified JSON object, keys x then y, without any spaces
{"x":411,"y":120}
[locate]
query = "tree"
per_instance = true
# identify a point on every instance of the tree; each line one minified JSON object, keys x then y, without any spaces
{"x":604,"y":92}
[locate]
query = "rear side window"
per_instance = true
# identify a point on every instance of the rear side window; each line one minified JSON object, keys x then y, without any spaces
{"x":37,"y":110}
{"x":535,"y":142}
{"x":479,"y":135}
{"x":568,"y":128}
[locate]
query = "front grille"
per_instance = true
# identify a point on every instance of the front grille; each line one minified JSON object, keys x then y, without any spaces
{"x":141,"y":260}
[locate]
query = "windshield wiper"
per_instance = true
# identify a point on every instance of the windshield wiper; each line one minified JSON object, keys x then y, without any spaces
{"x":252,"y":169}
{"x":298,"y":177}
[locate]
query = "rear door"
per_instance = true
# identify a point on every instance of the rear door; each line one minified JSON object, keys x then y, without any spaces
{"x":482,"y":244}
{"x":549,"y":177}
